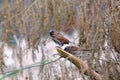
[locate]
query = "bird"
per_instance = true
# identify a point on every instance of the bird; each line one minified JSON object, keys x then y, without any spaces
{"x":75,"y":49}
{"x":58,"y":38}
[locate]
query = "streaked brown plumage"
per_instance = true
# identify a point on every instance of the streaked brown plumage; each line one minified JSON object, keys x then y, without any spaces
{"x":75,"y":49}
{"x":58,"y":38}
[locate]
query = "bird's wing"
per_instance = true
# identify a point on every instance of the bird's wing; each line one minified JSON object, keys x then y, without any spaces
{"x":61,"y":38}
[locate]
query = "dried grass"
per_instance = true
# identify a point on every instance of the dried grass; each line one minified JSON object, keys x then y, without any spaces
{"x":97,"y":21}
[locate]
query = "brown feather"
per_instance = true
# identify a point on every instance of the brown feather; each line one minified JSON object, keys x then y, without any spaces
{"x":60,"y":38}
{"x":72,"y":49}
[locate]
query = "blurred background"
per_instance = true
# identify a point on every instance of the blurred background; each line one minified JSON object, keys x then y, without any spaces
{"x":24,"y":37}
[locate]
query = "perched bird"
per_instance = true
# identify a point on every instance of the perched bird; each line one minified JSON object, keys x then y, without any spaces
{"x":75,"y":49}
{"x":58,"y":38}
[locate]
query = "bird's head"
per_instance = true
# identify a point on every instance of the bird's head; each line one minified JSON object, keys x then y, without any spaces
{"x":51,"y":32}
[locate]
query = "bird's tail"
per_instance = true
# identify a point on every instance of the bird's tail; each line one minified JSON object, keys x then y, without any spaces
{"x":85,"y":49}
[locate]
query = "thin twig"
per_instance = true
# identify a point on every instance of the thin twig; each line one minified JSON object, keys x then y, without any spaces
{"x":36,"y":65}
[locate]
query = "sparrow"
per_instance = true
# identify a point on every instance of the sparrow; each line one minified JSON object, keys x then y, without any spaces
{"x":58,"y":38}
{"x":75,"y":49}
